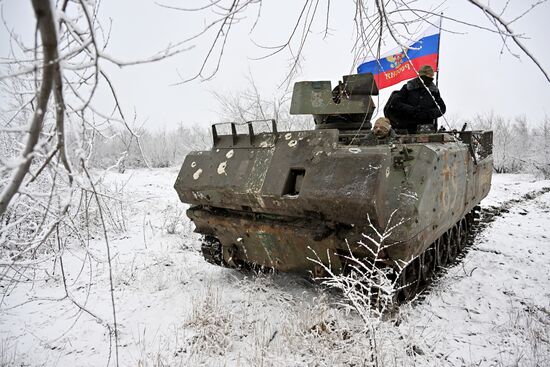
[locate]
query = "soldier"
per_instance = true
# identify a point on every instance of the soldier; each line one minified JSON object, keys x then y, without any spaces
{"x":382,"y":128}
{"x":382,"y":133}
{"x":414,"y":104}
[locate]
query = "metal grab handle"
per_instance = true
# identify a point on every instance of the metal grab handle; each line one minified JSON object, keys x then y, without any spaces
{"x":251,"y":135}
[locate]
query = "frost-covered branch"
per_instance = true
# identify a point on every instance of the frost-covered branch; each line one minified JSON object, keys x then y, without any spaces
{"x":46,"y":25}
{"x":506,"y":25}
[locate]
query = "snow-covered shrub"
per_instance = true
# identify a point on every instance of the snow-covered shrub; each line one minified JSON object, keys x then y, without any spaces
{"x":528,"y":333}
{"x":213,"y":324}
{"x":174,"y":219}
{"x":40,"y":210}
{"x":8,"y":353}
{"x":115,"y":209}
{"x":368,"y":289}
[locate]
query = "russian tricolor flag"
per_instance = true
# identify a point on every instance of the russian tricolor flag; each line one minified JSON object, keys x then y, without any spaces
{"x":398,"y":65}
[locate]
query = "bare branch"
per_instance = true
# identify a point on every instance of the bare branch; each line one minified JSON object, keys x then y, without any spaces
{"x":48,"y":34}
{"x":498,"y":19}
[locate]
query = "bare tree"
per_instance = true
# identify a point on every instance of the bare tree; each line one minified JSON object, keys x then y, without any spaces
{"x":48,"y":127}
{"x":544,"y":147}
{"x":376,"y":23}
{"x":250,"y":105}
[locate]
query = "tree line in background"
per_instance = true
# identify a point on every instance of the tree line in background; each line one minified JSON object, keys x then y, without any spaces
{"x":519,"y":146}
{"x":168,"y":147}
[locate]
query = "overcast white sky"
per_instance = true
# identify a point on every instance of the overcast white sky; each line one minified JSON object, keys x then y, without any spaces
{"x":475,"y":76}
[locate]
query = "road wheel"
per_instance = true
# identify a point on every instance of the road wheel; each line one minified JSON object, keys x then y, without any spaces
{"x":427,"y":264}
{"x":442,"y":254}
{"x":211,"y":249}
{"x":408,"y":281}
{"x":453,"y":242}
{"x":463,"y":229}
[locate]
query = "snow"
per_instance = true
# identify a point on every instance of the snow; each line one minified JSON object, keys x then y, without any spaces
{"x":494,"y":306}
{"x":173,"y":308}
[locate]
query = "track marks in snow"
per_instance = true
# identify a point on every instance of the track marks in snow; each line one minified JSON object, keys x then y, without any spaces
{"x":492,"y":308}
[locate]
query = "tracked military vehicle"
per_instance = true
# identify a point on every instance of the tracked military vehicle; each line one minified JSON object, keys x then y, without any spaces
{"x":274,"y":199}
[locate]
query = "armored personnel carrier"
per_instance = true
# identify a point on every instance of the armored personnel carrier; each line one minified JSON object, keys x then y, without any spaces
{"x":274,"y":199}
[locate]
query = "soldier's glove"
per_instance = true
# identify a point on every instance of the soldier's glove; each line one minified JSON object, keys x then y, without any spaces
{"x":421,"y":114}
{"x":434,"y":113}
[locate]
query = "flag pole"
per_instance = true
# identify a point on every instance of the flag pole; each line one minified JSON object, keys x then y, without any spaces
{"x":438,"y":49}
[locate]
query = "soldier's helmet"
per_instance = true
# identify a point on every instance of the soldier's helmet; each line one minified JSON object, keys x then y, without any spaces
{"x":426,"y":70}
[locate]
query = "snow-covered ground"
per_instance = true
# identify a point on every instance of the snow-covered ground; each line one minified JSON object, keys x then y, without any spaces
{"x":173,"y":308}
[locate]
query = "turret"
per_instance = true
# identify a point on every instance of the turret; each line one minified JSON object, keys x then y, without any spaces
{"x":348,"y":106}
